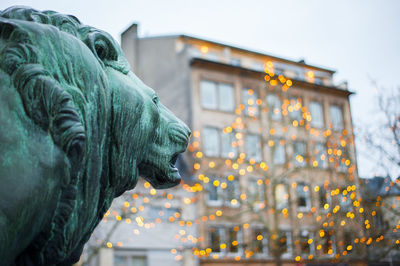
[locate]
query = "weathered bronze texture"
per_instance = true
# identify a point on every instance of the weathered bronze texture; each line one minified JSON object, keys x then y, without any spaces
{"x":77,"y":129}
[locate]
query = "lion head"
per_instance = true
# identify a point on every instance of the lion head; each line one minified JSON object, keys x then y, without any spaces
{"x":78,"y":128}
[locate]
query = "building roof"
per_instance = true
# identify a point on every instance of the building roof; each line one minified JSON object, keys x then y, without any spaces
{"x":300,"y":62}
{"x":184,"y":36}
{"x":379,"y":186}
{"x":251,"y":72}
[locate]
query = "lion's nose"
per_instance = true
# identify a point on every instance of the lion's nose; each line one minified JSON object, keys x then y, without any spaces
{"x":179,"y":134}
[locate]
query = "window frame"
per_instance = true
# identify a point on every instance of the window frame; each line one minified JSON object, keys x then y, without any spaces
{"x":321,"y":105}
{"x":239,"y":239}
{"x":235,"y":61}
{"x":130,"y":254}
{"x":348,"y":241}
{"x":222,"y":135}
{"x":299,"y":111}
{"x":287,"y":199}
{"x":271,"y":114}
{"x":342,"y":167}
{"x":347,"y":205}
{"x":264,"y":242}
{"x":219,"y":146}
{"x":277,"y":142}
{"x":311,"y":247}
{"x":307,"y":200}
{"x":204,"y":141}
{"x":217,"y":85}
{"x":223,"y":231}
{"x":340,"y":108}
{"x":218,"y":190}
{"x":258,"y":193}
{"x":328,"y":199}
{"x":223,"y":197}
{"x":260,"y":150}
{"x":236,"y":188}
{"x":255,"y":95}
{"x":160,"y":208}
{"x":322,"y":164}
{"x":257,"y":66}
{"x":289,"y":242}
{"x":333,"y":245}
{"x":304,"y":155}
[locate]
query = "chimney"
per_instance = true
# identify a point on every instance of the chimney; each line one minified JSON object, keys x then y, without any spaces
{"x":129,"y":45}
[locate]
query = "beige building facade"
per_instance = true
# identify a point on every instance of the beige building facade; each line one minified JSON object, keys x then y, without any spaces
{"x":271,"y":162}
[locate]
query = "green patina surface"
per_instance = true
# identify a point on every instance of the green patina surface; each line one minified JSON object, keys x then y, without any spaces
{"x":77,"y":129}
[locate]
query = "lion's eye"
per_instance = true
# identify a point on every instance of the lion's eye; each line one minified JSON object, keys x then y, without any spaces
{"x":155,"y":99}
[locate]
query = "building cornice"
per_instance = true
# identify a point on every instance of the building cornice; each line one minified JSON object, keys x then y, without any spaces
{"x":246,"y":72}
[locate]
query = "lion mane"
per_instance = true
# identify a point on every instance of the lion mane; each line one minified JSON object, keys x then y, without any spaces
{"x":76,"y":108}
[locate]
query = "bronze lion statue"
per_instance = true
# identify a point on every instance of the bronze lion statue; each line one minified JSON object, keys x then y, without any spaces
{"x":77,"y":130}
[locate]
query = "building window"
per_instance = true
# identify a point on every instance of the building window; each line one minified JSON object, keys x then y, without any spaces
{"x":212,"y":56}
{"x":328,"y":242}
{"x":211,"y":141}
{"x":275,"y":106}
{"x":336,"y":117}
{"x":324,"y":199}
{"x":234,"y":236}
{"x":225,"y":97}
{"x":216,"y":235}
{"x":227,"y":145}
{"x":217,"y":143}
{"x":348,"y":241}
{"x":235,"y":61}
{"x":232,"y":192}
{"x":303,"y":197}
{"x":158,"y":212}
{"x":293,"y":74}
{"x":129,"y":260}
{"x":256,"y":191}
{"x":258,"y":66}
{"x":250,"y":97}
{"x":223,"y":191}
{"x":230,"y":236}
{"x":285,"y":243}
{"x":281,"y":197}
{"x":343,"y":160}
{"x":278,"y":152}
{"x":215,"y":196}
{"x":294,"y":109}
{"x":259,"y":241}
{"x":318,"y":80}
{"x":217,"y":96}
{"x":379,"y":222}
{"x":278,"y":71}
{"x":253,"y":147}
{"x":319,"y":156}
{"x":299,"y":153}
{"x":345,"y":203}
{"x":306,"y":242}
{"x":317,"y":117}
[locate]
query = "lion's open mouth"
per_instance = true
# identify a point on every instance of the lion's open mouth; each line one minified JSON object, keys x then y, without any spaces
{"x":162,"y":159}
{"x":173,"y":160}
{"x":161,"y":173}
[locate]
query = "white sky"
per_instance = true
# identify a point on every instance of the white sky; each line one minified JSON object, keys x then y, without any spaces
{"x":360,"y":39}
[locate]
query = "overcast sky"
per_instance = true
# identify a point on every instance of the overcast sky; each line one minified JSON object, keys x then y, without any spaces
{"x":359,"y":39}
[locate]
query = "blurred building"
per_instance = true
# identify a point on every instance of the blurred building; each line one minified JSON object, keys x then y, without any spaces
{"x":272,"y":155}
{"x":140,"y":229}
{"x":381,"y":196}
